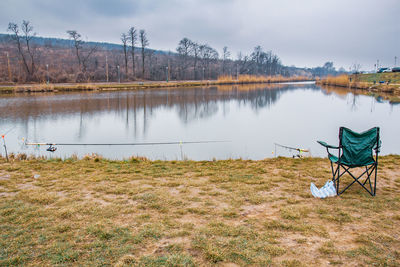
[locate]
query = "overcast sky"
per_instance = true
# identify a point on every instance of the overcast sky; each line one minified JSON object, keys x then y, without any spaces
{"x":302,"y":33}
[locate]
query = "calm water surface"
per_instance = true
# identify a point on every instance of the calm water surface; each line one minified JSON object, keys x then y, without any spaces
{"x":251,"y":118}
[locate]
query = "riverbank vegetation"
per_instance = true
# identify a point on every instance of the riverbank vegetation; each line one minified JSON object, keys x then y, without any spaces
{"x":28,"y":58}
{"x":183,"y":213}
{"x":242,"y":79}
{"x":377,"y":83}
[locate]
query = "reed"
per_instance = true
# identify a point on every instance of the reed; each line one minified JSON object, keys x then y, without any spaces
{"x":245,"y":78}
{"x":345,"y":81}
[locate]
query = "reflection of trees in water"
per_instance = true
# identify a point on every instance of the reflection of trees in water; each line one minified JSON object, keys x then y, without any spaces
{"x":190,"y":103}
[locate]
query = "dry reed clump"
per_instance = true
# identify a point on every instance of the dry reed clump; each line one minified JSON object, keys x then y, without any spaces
{"x":341,"y":80}
{"x":345,"y":81}
{"x":135,"y":159}
{"x":92,"y":157}
{"x":87,"y":86}
{"x":245,"y":78}
{"x":43,"y":87}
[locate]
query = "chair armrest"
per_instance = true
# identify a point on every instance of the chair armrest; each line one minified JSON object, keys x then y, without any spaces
{"x":377,"y":148}
{"x":322,"y":143}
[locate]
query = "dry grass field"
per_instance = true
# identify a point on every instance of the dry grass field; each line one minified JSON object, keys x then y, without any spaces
{"x":95,"y":212}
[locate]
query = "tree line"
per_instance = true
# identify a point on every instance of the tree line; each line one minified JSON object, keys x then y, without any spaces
{"x":27,"y":60}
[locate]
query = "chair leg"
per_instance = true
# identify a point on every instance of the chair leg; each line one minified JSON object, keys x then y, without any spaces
{"x":369,"y":180}
{"x":338,"y":179}
{"x":368,"y":171}
{"x":333,"y":174}
{"x":376,"y":173}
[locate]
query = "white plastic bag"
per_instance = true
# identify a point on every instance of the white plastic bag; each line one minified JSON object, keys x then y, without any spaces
{"x":328,"y":190}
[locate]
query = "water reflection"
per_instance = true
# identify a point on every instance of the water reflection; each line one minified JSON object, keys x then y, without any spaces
{"x":220,"y":112}
{"x":191,"y":103}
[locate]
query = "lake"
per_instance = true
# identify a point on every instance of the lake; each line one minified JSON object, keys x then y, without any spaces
{"x":250,"y":119}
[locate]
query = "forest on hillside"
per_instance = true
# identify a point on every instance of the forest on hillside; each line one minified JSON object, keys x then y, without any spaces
{"x":25,"y":57}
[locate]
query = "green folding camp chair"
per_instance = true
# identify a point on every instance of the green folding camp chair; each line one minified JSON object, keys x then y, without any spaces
{"x":355,"y":150}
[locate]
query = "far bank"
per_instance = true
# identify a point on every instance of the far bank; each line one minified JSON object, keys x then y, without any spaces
{"x":386,"y":85}
{"x":223,"y":80}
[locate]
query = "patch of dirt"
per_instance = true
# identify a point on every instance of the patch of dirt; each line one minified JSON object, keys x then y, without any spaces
{"x":191,"y":219}
{"x":7,"y":194}
{"x":27,"y":186}
{"x":264,"y":209}
{"x":229,"y":264}
{"x":87,"y":195}
{"x":61,"y":194}
{"x":5,"y":177}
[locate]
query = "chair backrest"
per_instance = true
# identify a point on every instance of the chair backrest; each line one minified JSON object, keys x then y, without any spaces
{"x":357,"y":147}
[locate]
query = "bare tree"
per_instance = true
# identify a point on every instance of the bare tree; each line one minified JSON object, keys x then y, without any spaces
{"x":124,"y":39}
{"x":81,"y":55}
{"x":257,"y":57}
{"x":183,"y":50}
{"x":195,"y":54}
{"x":225,"y":57}
{"x":207,"y":55}
{"x":144,"y":43}
{"x":76,"y":37}
{"x":28,"y":34}
{"x":242,"y":63}
{"x":133,"y":39}
{"x":27,"y":29}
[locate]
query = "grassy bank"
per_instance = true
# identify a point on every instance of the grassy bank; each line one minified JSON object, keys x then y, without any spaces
{"x":394,"y":77}
{"x":223,"y":80}
{"x":236,"y":212}
{"x":366,"y":82}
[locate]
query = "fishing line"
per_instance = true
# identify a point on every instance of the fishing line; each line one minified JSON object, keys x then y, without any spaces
{"x":52,"y":147}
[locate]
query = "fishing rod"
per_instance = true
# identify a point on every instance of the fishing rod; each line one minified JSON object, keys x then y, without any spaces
{"x":4,"y":140}
{"x":300,"y":150}
{"x":52,"y":147}
{"x":293,"y":148}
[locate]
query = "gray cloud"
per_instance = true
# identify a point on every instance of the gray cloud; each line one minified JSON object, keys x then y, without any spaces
{"x":303,"y":33}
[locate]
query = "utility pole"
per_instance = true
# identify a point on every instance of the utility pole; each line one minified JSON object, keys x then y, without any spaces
{"x":9,"y":68}
{"x":47,"y":73}
{"x":106,"y":69}
{"x":119,"y":77}
{"x":395,"y":61}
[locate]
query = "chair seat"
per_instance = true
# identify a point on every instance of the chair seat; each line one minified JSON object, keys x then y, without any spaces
{"x":335,"y":159}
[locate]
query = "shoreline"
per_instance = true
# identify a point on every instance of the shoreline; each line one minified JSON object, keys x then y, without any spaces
{"x":387,"y":90}
{"x":43,"y":87}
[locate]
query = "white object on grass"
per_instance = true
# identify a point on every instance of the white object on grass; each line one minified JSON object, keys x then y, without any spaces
{"x":328,"y":190}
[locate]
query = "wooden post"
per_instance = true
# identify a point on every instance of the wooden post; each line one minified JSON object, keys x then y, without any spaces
{"x":9,"y":68}
{"x":106,"y":68}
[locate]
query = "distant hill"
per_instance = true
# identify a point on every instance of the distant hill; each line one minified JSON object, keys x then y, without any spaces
{"x":67,"y":43}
